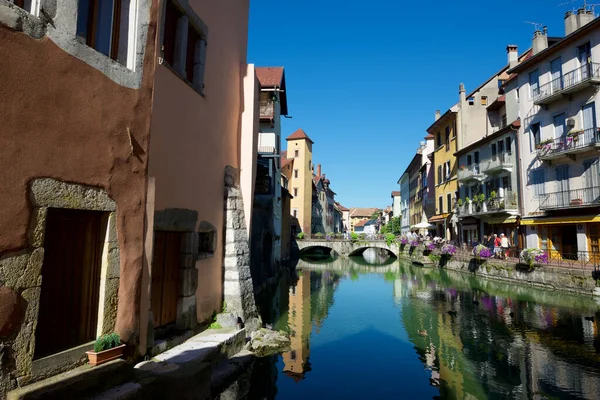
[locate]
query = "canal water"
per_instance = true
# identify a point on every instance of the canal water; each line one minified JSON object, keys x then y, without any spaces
{"x":376,"y":329}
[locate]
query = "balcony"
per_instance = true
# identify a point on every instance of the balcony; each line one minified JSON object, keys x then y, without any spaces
{"x":568,"y":146}
{"x":471,"y":173}
{"x":267,"y":109}
{"x":576,"y":198}
{"x":506,"y":204}
{"x":573,"y":81}
{"x":500,"y":163}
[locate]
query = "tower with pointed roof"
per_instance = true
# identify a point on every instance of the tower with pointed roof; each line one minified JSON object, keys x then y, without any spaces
{"x":299,"y":175}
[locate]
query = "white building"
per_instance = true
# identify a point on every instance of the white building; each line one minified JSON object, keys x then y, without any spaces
{"x":404,"y":202}
{"x":559,"y":139}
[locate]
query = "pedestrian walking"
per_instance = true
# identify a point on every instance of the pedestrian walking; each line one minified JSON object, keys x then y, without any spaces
{"x":497,"y":246}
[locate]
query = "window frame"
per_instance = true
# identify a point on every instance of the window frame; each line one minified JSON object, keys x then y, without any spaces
{"x":537,"y":138}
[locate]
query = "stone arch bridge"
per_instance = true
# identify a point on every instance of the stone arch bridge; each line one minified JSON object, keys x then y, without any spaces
{"x":345,"y":248}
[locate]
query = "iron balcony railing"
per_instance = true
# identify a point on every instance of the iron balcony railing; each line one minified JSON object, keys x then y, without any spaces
{"x":469,"y":173}
{"x":581,"y":74}
{"x":574,"y":142}
{"x":499,"y":162}
{"x":566,"y":83}
{"x":267,"y":109}
{"x":497,"y":204}
{"x":586,"y":197}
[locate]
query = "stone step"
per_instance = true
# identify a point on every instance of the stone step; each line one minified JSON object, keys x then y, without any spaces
{"x":79,"y":383}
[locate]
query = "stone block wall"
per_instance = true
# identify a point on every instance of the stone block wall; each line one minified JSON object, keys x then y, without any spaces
{"x":238,"y":288}
{"x":21,"y":283}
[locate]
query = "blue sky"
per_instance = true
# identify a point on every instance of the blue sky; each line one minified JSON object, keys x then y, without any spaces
{"x":364,"y":78}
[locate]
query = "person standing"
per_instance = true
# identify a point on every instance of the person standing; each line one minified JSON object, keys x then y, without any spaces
{"x":497,"y":248}
{"x":504,"y":244}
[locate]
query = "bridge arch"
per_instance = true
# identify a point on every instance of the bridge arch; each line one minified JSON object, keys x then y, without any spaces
{"x":346,"y":248}
{"x":359,"y":251}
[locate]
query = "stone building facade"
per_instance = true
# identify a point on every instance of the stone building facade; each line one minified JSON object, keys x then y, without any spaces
{"x":72,"y":224}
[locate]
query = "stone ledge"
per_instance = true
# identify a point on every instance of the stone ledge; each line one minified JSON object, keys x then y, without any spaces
{"x":77,"y":383}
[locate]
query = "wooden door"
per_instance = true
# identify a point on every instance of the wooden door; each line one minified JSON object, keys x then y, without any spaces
{"x":68,"y":314}
{"x":165,"y":277}
{"x":555,"y":247}
{"x":594,"y":243}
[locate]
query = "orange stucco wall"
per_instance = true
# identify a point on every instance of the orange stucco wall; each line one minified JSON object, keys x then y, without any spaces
{"x":63,"y":119}
{"x":195,"y":137}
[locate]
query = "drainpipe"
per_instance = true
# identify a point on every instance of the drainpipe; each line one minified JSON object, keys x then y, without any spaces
{"x":519,"y":180}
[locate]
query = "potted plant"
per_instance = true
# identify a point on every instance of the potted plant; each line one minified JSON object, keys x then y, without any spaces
{"x":574,"y":133}
{"x":106,"y":348}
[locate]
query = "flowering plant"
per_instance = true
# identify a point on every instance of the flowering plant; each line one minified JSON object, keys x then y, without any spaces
{"x":481,"y":252}
{"x":403,"y":240}
{"x":448,"y":249}
{"x":534,"y":256}
{"x":414,"y":242}
{"x":463,"y":167}
{"x":430,"y":246}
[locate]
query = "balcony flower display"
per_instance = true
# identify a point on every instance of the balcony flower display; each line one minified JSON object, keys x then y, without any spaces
{"x":404,"y":240}
{"x":448,"y":249}
{"x":413,"y":242}
{"x":481,"y":252}
{"x":463,"y":167}
{"x":575,"y":132}
{"x":534,"y":257}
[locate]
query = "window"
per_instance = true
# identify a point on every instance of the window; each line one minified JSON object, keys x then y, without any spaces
{"x":538,"y":180}
{"x":500,"y":148}
{"x":476,"y":157}
{"x":471,"y":101}
{"x":469,"y":162}
{"x":104,"y":26}
{"x":444,"y":175}
{"x":449,"y":200}
{"x":439,"y":139}
{"x":295,"y":213}
{"x":30,"y":6}
{"x":535,"y":135}
{"x":448,"y":172}
{"x":295,"y":173}
{"x":493,"y":151}
{"x":508,"y":141}
{"x":439,"y":174}
{"x":447,"y":137}
{"x":440,"y":205}
{"x":484,"y":100}
{"x":184,"y":46}
{"x":534,"y":85}
{"x":453,"y":129}
{"x":296,"y":153}
{"x":295,"y":192}
{"x":501,"y":82}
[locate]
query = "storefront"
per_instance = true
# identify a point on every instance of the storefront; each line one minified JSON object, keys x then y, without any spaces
{"x":565,"y":238}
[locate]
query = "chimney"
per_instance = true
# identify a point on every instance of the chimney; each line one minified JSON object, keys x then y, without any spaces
{"x":513,"y":55}
{"x":437,"y":114}
{"x":570,"y":23}
{"x":462,"y":93}
{"x":540,"y":41}
{"x":584,"y":17}
{"x":319,"y":170}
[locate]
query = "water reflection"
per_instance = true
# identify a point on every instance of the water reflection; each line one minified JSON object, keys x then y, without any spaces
{"x":377,"y":256}
{"x":402,"y":331}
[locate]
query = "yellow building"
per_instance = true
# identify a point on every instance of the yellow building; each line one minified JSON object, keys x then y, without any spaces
{"x":296,"y":165}
{"x":358,"y":215}
{"x":296,"y":361}
{"x":444,"y":169}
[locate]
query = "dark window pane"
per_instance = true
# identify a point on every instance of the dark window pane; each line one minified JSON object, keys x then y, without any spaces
{"x":193,"y":37}
{"x":170,"y":32}
{"x":83,"y":18}
{"x":104,"y":26}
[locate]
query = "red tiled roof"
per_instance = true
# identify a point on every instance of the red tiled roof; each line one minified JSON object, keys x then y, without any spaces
{"x":361,"y":223}
{"x":286,"y":161}
{"x":269,"y":76}
{"x":429,"y":137}
{"x":341,"y":207}
{"x":362,"y":212}
{"x":395,"y":193}
{"x":299,"y":134}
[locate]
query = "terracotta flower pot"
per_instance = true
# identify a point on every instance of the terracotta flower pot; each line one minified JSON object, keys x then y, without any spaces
{"x":105,"y":356}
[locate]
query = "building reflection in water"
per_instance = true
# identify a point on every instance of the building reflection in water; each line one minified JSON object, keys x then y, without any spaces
{"x":534,"y":344}
{"x":296,"y":362}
